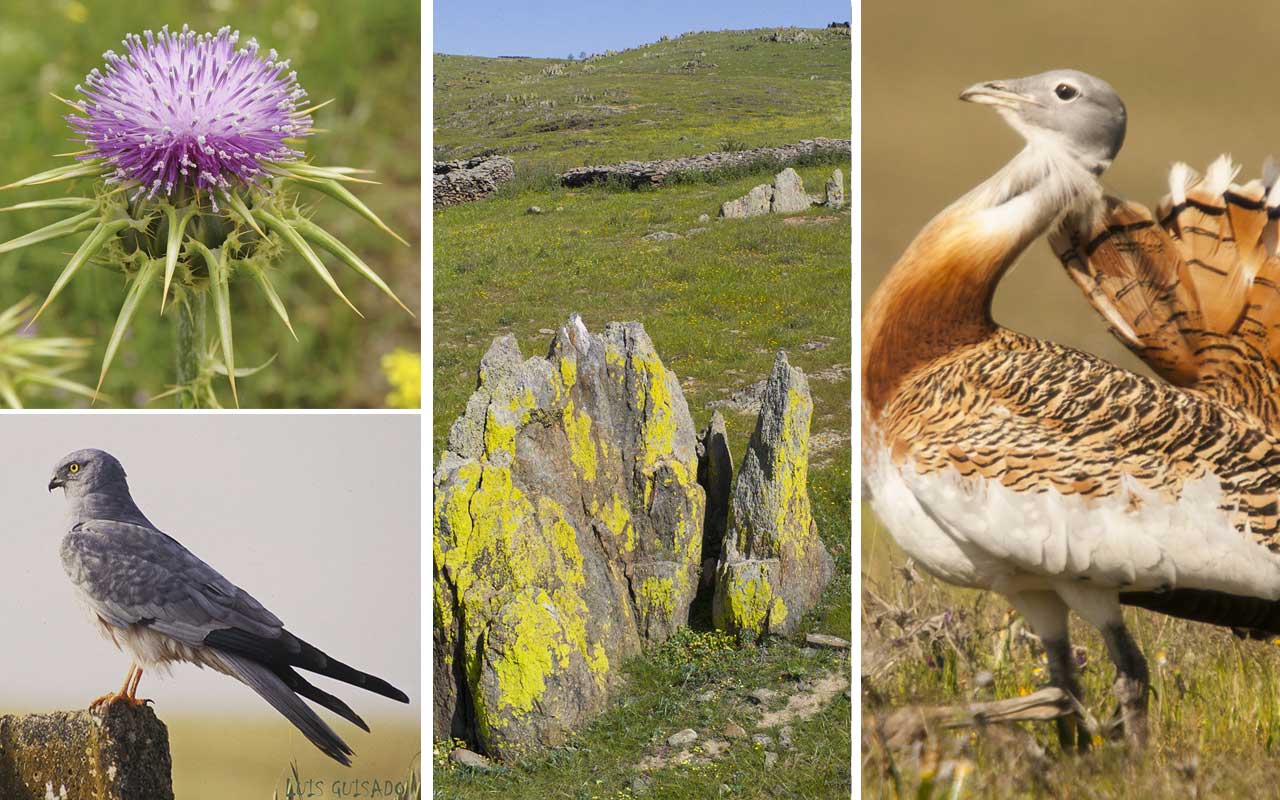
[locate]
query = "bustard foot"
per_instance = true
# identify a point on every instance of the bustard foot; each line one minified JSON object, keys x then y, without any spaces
{"x":1074,"y":733}
{"x":1132,"y":711}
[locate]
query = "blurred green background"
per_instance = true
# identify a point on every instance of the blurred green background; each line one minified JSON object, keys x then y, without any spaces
{"x":1196,"y":84}
{"x":366,"y":56}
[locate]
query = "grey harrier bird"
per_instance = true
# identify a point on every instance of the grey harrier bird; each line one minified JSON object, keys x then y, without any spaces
{"x":159,"y":602}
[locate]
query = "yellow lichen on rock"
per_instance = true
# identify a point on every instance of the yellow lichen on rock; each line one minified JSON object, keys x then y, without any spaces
{"x":568,"y":372}
{"x":656,"y":596}
{"x":582,"y":448}
{"x":747,"y":603}
{"x":791,"y":470}
{"x":617,"y":519}
{"x":503,"y":421}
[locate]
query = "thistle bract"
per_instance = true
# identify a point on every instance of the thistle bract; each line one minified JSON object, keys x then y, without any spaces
{"x":176,"y":124}
{"x":180,"y":109}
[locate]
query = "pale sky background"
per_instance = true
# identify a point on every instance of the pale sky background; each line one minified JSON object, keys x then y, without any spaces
{"x":556,"y":28}
{"x":317,"y":516}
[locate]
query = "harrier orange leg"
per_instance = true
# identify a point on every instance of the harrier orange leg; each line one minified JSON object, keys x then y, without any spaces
{"x":126,"y":693}
{"x":132,"y":695}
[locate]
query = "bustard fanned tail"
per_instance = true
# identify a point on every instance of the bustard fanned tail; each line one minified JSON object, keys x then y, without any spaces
{"x":1194,"y":291}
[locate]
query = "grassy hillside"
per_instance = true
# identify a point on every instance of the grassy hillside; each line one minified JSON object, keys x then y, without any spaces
{"x":679,"y":97}
{"x":717,"y":302}
{"x":1214,"y":720}
{"x":364,"y":56}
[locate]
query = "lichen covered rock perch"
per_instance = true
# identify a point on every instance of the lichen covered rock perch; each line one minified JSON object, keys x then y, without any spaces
{"x":568,"y":528}
{"x":773,"y":566}
{"x":119,"y":754}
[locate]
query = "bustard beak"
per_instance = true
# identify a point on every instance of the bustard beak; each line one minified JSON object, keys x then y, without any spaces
{"x":996,"y":93}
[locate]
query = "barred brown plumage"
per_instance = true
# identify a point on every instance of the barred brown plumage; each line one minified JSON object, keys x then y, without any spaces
{"x":1004,"y":462}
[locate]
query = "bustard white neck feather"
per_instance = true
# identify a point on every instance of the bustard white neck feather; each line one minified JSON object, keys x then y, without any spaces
{"x":1044,"y":180}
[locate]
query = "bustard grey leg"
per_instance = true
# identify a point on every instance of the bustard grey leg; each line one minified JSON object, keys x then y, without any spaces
{"x":1072,"y":733}
{"x":1046,"y":614}
{"x":1133,"y":682}
{"x":1100,"y":607}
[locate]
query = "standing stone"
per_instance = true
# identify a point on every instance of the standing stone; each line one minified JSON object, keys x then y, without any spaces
{"x":715,"y":474}
{"x":835,"y":190}
{"x":568,"y":525}
{"x":753,"y":204}
{"x":773,"y":566}
{"x":788,"y":193}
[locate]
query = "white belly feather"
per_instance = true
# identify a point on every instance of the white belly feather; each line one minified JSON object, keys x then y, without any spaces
{"x":976,"y":532}
{"x":151,"y":649}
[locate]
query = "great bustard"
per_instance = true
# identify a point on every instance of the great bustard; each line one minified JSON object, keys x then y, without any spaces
{"x":1004,"y":462}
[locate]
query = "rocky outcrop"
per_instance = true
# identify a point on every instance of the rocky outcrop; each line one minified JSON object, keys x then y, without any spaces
{"x":653,"y":173}
{"x":786,"y":195}
{"x":119,"y":753}
{"x":835,"y":190}
{"x":789,"y":36}
{"x":463,"y":181}
{"x":568,"y":529}
{"x":753,"y":204}
{"x":773,"y":567}
{"x":789,"y":195}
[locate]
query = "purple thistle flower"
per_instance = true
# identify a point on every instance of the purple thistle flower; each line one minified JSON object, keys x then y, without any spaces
{"x":188,"y":110}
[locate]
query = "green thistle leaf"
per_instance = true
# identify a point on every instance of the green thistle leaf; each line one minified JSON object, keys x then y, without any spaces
{"x":56,"y":230}
{"x":127,"y":309}
{"x":260,"y":275}
{"x":173,"y":246}
{"x":59,"y":203}
{"x":242,"y":211}
{"x":303,"y":171}
{"x":328,"y":241}
{"x":64,"y":173}
{"x":303,"y":249}
{"x":344,"y":195}
{"x":243,"y":372}
{"x":88,"y":248}
{"x":219,"y":275}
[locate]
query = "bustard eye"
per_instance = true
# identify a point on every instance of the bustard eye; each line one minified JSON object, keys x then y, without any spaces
{"x":1066,"y":92}
{"x":73,"y":468}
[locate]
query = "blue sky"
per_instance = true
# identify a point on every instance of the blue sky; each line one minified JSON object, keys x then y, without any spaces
{"x":555,"y":28}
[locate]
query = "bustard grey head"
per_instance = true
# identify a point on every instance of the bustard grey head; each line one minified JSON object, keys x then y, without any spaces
{"x":1062,"y":108}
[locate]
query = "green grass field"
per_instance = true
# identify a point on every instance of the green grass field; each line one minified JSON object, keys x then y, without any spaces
{"x":1215,"y":723}
{"x":717,"y":303}
{"x":364,"y":56}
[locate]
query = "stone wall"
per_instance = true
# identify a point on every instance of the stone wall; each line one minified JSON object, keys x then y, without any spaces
{"x":463,"y":181}
{"x":642,"y":173}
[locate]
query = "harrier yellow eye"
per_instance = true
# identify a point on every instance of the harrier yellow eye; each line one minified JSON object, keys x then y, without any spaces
{"x":73,"y":469}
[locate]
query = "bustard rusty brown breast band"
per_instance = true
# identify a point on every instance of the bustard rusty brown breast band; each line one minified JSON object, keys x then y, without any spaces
{"x":1004,"y":462}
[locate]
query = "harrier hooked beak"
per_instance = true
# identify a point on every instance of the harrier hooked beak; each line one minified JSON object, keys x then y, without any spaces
{"x":996,"y":93}
{"x":56,"y":483}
